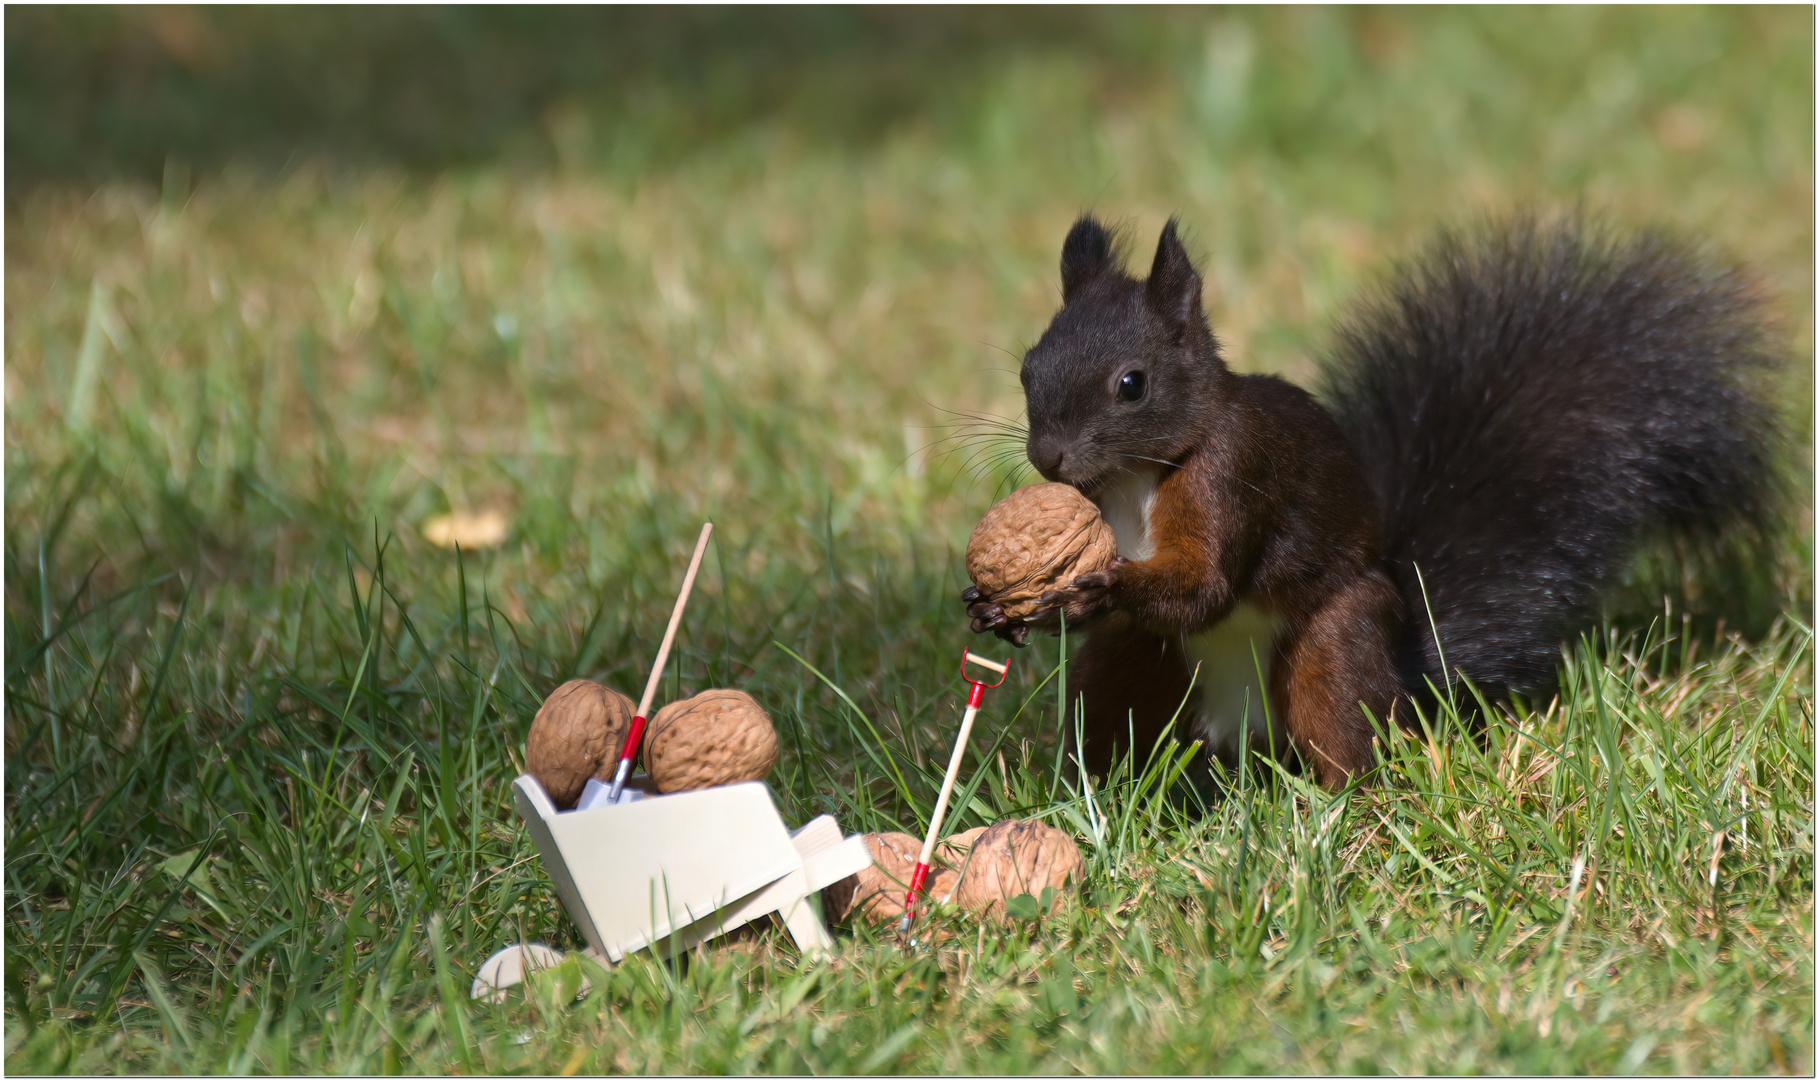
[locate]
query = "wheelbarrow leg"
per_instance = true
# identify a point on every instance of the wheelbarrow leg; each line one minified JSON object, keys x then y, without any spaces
{"x":804,"y":922}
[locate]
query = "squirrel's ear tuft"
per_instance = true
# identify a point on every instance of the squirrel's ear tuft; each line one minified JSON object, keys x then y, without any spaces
{"x":1173,"y":285}
{"x":1087,"y":253}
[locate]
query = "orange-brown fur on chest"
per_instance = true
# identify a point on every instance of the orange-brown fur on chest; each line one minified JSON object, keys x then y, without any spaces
{"x":1268,"y":516}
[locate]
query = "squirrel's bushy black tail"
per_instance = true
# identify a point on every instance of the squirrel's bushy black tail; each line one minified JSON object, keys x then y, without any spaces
{"x":1530,"y":401}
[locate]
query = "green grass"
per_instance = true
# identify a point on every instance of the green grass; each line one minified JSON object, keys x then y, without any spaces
{"x":259,"y":733}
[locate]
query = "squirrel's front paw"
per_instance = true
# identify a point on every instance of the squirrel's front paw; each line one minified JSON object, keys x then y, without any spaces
{"x":986,"y":615}
{"x":1085,"y":597}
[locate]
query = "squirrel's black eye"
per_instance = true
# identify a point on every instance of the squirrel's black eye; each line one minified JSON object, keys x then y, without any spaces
{"x":1130,"y":386}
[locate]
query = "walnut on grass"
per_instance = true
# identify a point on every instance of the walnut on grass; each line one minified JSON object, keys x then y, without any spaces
{"x":979,"y":869}
{"x":876,"y":892}
{"x":1017,"y":858}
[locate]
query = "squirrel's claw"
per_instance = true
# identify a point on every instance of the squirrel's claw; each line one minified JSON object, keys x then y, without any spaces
{"x":989,"y":616}
{"x":986,"y":616}
{"x":1085,"y":597}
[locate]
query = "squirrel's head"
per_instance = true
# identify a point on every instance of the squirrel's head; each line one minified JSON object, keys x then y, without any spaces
{"x":1126,"y":368}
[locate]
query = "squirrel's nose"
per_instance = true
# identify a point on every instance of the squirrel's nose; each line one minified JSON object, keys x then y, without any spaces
{"x":1046,"y":455}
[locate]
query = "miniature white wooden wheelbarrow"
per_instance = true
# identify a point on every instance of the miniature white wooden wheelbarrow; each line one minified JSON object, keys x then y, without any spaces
{"x":668,"y":872}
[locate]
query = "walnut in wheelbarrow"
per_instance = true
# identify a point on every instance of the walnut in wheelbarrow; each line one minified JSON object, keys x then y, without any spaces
{"x":715,"y":737}
{"x":1035,"y":541}
{"x":576,"y":736}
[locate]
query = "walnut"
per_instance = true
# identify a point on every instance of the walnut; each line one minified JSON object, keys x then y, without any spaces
{"x":877,"y":891}
{"x":576,"y":735}
{"x":715,"y":737}
{"x":955,"y":849}
{"x":1016,"y":857}
{"x":1035,"y":541}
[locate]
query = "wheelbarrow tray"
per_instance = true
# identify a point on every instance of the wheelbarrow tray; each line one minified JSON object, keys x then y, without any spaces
{"x":674,"y":870}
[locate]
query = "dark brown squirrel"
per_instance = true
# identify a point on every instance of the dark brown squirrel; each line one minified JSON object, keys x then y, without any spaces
{"x":1501,"y":426}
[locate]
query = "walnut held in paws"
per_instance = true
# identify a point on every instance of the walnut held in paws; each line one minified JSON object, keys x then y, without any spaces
{"x":715,"y":737}
{"x":1036,"y":541}
{"x":1016,"y":857}
{"x":576,"y":735}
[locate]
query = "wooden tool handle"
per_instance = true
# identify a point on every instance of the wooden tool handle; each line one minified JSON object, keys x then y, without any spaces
{"x":636,"y":734}
{"x":946,"y":785}
{"x":668,"y":636}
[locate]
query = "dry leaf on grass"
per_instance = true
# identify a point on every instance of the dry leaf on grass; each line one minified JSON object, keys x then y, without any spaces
{"x":484,"y":529}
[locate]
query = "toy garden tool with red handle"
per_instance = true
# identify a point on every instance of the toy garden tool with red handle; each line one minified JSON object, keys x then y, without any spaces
{"x":919,"y":877}
{"x":638,"y":722}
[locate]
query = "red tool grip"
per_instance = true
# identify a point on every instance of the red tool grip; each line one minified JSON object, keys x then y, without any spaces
{"x":916,"y":880}
{"x":632,"y":738}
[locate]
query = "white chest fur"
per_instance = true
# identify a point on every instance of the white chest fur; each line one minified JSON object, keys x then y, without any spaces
{"x":1125,"y":503}
{"x":1232,"y":657}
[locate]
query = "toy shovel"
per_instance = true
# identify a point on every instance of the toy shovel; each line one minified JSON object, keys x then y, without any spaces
{"x":629,"y":753}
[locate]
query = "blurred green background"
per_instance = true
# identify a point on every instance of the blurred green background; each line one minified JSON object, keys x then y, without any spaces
{"x":284,"y":284}
{"x":102,"y":92}
{"x":866,"y":201}
{"x":109,"y":92}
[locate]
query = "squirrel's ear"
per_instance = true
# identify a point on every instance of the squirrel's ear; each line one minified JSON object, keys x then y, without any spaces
{"x":1173,"y":285}
{"x":1086,"y":254}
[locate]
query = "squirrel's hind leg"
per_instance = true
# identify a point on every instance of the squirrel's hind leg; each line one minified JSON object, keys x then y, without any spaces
{"x":1337,"y":664}
{"x":1132,"y":683}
